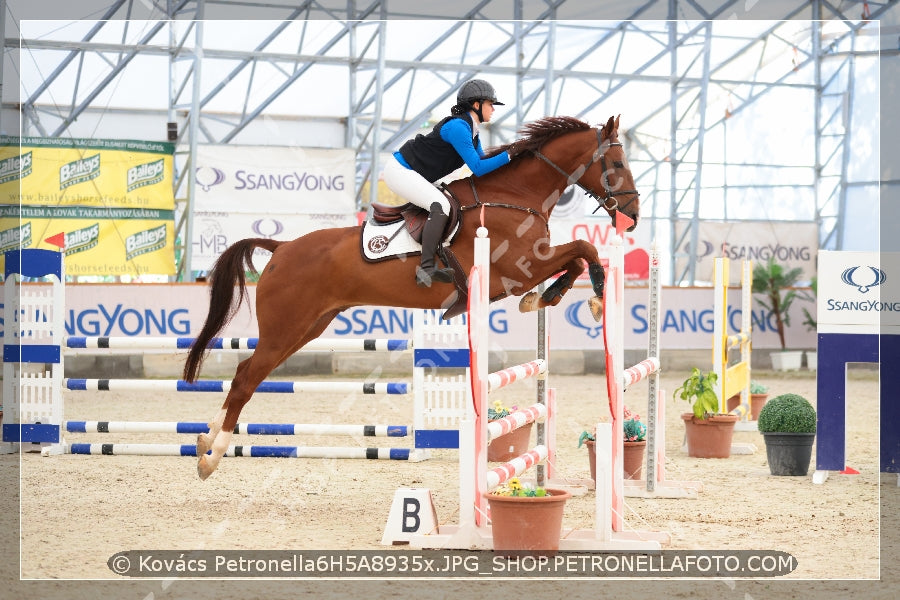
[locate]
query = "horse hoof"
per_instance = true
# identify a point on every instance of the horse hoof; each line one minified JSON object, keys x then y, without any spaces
{"x":203,"y":468}
{"x":529,"y":302}
{"x":203,"y":444}
{"x":596,"y":306}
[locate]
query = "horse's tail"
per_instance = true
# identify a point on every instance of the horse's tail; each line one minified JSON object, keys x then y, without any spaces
{"x":225,"y":274}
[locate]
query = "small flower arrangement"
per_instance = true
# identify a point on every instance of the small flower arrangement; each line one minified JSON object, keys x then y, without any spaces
{"x":634,"y":429}
{"x":514,"y":487}
{"x":758,"y":388}
{"x":498,"y":411}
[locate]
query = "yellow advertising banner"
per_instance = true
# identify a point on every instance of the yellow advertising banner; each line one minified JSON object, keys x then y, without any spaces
{"x":112,"y":199}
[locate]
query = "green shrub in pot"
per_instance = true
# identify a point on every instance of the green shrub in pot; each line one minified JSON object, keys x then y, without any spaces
{"x":787,"y":413}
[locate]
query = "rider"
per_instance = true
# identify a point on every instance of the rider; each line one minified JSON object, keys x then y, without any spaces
{"x":425,"y":159}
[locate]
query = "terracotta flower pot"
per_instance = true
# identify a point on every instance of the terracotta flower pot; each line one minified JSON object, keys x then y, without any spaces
{"x":757,"y":401}
{"x":522,"y":523}
{"x":632,"y":459}
{"x":592,"y":459}
{"x":510,"y":445}
{"x":710,"y":437}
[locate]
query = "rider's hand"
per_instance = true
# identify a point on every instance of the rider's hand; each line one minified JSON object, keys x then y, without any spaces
{"x":515,"y":149}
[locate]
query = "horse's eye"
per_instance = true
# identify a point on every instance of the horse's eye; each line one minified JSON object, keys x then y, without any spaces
{"x":618,"y":164}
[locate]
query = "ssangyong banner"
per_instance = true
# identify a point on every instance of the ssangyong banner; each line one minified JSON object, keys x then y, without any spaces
{"x":180,"y":310}
{"x":267,"y":180}
{"x":789,"y":244}
{"x":267,"y":191}
{"x":112,"y":200}
{"x":858,"y":292}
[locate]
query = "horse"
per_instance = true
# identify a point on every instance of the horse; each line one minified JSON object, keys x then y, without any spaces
{"x":308,"y":281}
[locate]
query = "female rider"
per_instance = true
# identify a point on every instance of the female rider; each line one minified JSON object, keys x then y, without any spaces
{"x":425,"y":159}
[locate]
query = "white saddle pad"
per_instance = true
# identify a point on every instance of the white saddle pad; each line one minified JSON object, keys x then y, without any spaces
{"x":386,"y":241}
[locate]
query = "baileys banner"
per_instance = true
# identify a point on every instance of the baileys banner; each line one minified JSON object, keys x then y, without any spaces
{"x":112,"y":199}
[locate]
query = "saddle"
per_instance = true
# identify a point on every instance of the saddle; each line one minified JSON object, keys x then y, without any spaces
{"x":413,"y":219}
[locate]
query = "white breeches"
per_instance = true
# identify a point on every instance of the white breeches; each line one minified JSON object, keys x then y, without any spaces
{"x":412,"y":187}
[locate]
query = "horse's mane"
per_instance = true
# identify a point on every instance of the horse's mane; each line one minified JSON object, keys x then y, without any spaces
{"x":537,"y":133}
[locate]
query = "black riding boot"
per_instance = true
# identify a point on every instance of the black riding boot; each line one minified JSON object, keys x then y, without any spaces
{"x":431,"y":237}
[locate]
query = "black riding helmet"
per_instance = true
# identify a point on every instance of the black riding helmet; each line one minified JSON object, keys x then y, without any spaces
{"x":476,"y":90}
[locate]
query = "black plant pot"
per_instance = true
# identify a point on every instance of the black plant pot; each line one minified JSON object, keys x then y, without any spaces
{"x":789,"y":453}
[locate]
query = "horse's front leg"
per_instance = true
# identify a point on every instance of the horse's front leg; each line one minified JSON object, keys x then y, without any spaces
{"x":568,"y":258}
{"x":552,"y":295}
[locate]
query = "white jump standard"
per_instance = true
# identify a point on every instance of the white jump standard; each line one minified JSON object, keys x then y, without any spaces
{"x":618,"y":379}
{"x":473,"y":531}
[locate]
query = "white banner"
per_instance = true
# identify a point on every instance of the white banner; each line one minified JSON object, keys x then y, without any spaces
{"x":215,"y":231}
{"x":858,"y":289}
{"x":275,"y":180}
{"x":790,"y":244}
{"x":267,"y":191}
{"x":180,"y":310}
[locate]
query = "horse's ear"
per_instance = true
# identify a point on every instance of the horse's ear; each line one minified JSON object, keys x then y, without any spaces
{"x":617,"y":121}
{"x":610,"y":127}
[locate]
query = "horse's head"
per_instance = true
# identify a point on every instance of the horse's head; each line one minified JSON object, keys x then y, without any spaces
{"x":595,"y":162}
{"x":611,"y":183}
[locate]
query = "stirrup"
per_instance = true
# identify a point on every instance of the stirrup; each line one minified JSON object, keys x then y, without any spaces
{"x":424,"y":277}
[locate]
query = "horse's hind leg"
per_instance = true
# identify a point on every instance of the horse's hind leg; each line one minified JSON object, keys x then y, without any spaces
{"x":205,"y":440}
{"x":249,"y":375}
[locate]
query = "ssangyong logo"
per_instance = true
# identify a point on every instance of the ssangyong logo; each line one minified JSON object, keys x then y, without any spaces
{"x":208,"y":177}
{"x":82,"y":239}
{"x":146,"y":174}
{"x":15,"y":237}
{"x":143,"y":242}
{"x":267,"y":228}
{"x":851,"y":278}
{"x":592,"y":329}
{"x":79,"y":171}
{"x":15,"y":167}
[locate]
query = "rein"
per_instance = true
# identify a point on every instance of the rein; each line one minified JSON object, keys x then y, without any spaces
{"x":480,"y":204}
{"x":609,"y":202}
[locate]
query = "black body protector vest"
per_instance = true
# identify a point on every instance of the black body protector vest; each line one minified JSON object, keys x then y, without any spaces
{"x":430,"y":156}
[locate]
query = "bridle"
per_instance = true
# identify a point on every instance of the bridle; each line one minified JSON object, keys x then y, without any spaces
{"x":609,"y":201}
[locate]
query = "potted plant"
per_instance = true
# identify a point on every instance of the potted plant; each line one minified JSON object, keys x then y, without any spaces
{"x":708,"y":432}
{"x":509,"y":445}
{"x":758,"y":396}
{"x":634,"y":442}
{"x":525,"y":518}
{"x":776,"y":285}
{"x":812,"y":356}
{"x":788,"y":424}
{"x":634,"y":434}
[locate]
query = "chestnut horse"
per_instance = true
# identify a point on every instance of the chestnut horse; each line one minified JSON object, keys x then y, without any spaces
{"x":311,"y":279}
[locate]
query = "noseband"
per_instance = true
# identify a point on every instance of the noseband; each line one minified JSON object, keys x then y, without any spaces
{"x":609,"y":201}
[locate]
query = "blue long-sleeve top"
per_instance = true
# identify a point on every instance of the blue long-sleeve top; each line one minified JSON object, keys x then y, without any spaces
{"x":443,"y":150}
